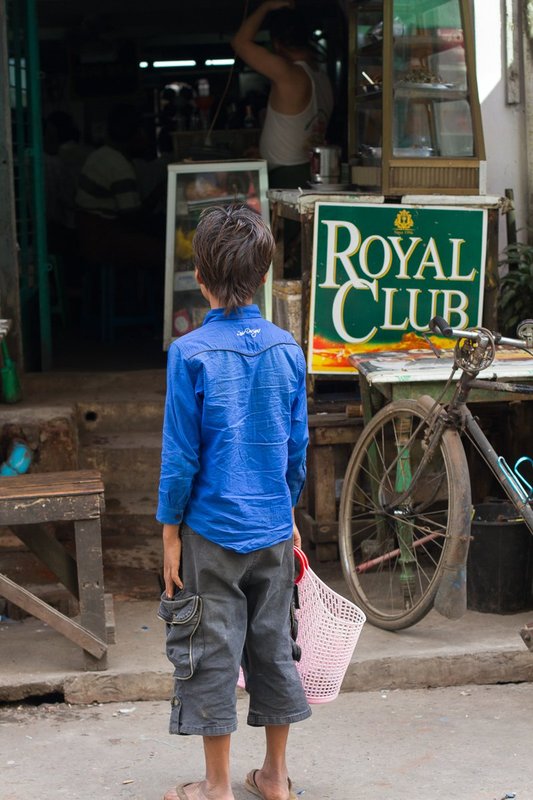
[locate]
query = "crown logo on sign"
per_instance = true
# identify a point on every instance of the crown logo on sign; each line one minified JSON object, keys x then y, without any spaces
{"x":403,"y":222}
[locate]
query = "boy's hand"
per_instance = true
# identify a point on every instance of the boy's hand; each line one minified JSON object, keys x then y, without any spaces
{"x":171,"y":558}
{"x":297,"y":539}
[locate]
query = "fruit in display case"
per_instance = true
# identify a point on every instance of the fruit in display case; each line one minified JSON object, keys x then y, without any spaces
{"x":184,"y":244}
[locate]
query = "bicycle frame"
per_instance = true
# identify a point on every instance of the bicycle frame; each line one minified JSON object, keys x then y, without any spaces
{"x":458,"y":416}
{"x":466,"y":421}
{"x":406,"y":504}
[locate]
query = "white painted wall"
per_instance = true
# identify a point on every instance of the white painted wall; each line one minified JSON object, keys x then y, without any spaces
{"x":503,"y":125}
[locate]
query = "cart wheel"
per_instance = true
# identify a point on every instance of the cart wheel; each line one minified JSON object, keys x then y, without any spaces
{"x":393,"y":553}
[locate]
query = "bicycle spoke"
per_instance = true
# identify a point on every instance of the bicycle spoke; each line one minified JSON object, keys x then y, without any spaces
{"x":396,"y":514}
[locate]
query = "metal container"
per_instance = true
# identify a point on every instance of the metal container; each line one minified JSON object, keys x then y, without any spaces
{"x":325,"y":164}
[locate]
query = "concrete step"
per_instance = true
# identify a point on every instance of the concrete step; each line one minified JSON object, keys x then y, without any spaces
{"x":101,"y":416}
{"x":129,"y":460}
{"x":131,"y":511}
{"x":94,"y":385}
{"x":131,"y":538}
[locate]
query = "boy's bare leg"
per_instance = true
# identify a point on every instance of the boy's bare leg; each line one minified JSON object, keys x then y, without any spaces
{"x":217,"y":769}
{"x":273,"y":778}
{"x":217,"y":783}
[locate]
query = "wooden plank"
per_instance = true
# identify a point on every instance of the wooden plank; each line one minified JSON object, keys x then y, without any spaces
{"x":64,"y":625}
{"x":91,"y":578}
{"x":332,"y":436}
{"x":527,"y":110}
{"x":110,"y":627}
{"x":434,"y":389}
{"x":513,"y":93}
{"x":316,"y":532}
{"x":305,"y":524}
{"x":324,"y":483}
{"x":16,"y":511}
{"x":52,"y":553}
{"x":51,"y":484}
{"x":278,"y":232}
{"x":90,"y":574}
{"x":332,"y":420}
{"x":327,"y":551}
{"x":326,"y":531}
{"x":492,"y":277}
{"x":307,"y":269}
{"x":286,"y":211}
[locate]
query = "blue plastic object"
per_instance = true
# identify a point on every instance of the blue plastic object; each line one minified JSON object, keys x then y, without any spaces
{"x":18,"y":461}
{"x":514,"y":479}
{"x":519,"y":475}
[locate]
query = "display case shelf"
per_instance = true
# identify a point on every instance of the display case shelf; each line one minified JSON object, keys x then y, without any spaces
{"x":438,"y":92}
{"x":192,"y":188}
{"x":414,"y":120}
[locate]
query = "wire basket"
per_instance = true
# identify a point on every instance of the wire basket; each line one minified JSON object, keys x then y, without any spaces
{"x":329,"y":626}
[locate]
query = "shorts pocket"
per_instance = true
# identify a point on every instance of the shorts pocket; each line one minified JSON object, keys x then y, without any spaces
{"x":182,"y":616}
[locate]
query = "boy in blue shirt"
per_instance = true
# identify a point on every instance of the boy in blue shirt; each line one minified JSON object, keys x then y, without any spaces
{"x":233,"y":467}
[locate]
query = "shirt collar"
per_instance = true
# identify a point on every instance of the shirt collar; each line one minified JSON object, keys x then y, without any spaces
{"x":243,"y":312}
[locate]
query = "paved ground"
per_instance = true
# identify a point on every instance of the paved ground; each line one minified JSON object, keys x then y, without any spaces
{"x":109,"y":740}
{"x":466,"y":742}
{"x":479,"y":648}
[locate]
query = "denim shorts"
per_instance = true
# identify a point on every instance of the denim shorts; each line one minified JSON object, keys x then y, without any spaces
{"x":234,"y":609}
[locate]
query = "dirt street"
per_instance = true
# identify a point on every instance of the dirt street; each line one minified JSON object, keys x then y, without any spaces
{"x":469,"y":742}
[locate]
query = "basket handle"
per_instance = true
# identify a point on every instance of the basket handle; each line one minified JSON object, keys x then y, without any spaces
{"x":303,"y":563}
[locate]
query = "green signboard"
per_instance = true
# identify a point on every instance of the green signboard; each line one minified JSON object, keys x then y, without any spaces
{"x":381,"y":272}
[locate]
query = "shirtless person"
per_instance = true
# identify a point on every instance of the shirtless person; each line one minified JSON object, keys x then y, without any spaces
{"x":300,"y":101}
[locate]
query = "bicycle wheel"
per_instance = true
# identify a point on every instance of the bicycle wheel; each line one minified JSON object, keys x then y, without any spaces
{"x":393,"y":552}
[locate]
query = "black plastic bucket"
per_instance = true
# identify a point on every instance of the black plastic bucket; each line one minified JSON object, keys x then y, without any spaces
{"x":500,"y":561}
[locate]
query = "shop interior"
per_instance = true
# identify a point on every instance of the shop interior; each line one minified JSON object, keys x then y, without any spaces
{"x":175,"y":65}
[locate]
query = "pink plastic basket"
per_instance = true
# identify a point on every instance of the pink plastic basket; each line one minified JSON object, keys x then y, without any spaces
{"x":328,"y":629}
{"x":329,"y":626}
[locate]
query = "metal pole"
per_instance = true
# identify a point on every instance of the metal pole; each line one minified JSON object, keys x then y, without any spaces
{"x":9,"y":289}
{"x":36,"y":140}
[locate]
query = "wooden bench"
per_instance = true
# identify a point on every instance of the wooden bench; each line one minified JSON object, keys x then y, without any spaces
{"x":76,"y":496}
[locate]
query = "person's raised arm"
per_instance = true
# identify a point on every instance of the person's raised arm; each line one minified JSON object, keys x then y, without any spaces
{"x":255,"y":55}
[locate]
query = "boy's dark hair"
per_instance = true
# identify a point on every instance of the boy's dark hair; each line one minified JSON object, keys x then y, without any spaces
{"x":232,"y":250}
{"x":290,"y":28}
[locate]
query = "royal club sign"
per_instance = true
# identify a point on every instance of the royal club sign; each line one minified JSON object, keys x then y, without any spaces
{"x":381,"y":272}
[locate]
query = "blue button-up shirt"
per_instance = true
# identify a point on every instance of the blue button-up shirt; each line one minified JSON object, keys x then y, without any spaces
{"x":235,"y":431}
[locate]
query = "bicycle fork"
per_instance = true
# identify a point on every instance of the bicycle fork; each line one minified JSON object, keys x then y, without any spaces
{"x":402,"y":483}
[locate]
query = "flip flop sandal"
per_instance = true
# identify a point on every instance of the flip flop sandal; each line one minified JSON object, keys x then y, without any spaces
{"x":252,"y":786}
{"x":180,"y":790}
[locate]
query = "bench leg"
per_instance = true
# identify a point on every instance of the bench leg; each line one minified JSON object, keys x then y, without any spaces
{"x":91,"y":584}
{"x":64,"y":625}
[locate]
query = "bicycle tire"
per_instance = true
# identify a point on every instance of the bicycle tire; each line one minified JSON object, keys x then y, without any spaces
{"x":393,"y":557}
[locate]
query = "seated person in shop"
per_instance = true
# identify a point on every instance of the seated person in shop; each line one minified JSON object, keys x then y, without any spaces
{"x":300,"y":100}
{"x":114,"y":224}
{"x":72,"y":151}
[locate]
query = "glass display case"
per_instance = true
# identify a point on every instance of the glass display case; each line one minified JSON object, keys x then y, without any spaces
{"x":414,"y":115}
{"x":192,"y":187}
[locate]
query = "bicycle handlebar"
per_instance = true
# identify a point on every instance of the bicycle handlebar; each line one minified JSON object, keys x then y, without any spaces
{"x":440,"y":326}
